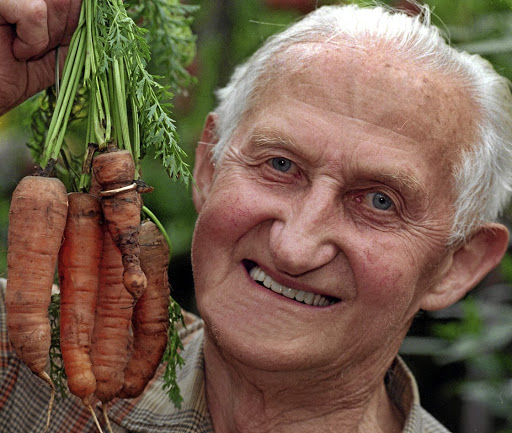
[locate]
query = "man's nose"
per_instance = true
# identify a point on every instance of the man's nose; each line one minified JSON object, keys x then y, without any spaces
{"x":303,"y":240}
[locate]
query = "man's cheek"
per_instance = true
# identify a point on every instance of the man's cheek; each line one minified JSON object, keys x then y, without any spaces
{"x":382,"y":275}
{"x":386,"y":283}
{"x":238,"y":209}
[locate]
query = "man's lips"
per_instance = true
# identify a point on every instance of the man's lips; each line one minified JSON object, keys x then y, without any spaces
{"x":305,"y":297}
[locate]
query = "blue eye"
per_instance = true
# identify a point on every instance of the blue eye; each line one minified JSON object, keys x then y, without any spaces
{"x":381,"y":201}
{"x":281,"y":164}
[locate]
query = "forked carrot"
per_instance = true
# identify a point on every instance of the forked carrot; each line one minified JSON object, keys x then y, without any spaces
{"x":79,"y":260}
{"x":150,"y":320}
{"x":111,"y":335}
{"x":115,"y":172}
{"x":37,"y":218}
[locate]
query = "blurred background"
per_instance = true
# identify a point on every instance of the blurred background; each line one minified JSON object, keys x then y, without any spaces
{"x":462,"y":357}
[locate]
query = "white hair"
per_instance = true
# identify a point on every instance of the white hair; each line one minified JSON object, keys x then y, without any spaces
{"x":483,"y":176}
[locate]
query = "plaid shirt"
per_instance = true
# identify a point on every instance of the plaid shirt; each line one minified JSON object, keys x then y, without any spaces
{"x":24,"y":397}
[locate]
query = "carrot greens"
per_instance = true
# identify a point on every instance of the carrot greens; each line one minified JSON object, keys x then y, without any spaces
{"x":106,"y":75}
{"x":107,"y":92}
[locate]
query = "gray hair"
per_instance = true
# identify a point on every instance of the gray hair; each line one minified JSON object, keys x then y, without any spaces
{"x":483,"y":176}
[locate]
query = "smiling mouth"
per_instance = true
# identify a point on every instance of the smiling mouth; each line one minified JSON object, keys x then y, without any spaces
{"x":309,"y":298}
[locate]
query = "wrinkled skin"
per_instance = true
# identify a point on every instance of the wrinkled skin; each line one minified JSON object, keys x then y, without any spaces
{"x":298,"y":194}
{"x":30,"y":30}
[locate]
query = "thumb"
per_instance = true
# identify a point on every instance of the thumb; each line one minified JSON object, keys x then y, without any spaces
{"x":31,"y":21}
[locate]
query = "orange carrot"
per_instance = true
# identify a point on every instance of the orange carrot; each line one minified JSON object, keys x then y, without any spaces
{"x":115,"y":172}
{"x":79,"y":260}
{"x":111,"y":334}
{"x":151,"y":316}
{"x":36,"y":223}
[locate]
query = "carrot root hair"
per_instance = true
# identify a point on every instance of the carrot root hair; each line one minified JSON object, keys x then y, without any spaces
{"x":95,"y":418}
{"x":107,"y":420}
{"x":43,"y":375}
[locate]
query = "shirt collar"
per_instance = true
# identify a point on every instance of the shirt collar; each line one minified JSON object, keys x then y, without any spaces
{"x":403,"y":392}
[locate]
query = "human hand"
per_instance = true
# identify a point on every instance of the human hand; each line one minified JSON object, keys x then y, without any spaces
{"x":30,"y":31}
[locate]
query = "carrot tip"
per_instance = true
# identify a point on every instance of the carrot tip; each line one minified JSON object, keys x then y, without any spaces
{"x":43,"y":375}
{"x":105,"y":415}
{"x":95,"y":418}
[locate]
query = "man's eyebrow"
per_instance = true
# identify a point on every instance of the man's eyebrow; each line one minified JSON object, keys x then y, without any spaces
{"x":403,"y":181}
{"x":265,"y":139}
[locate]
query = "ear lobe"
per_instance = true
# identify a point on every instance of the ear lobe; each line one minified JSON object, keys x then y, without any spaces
{"x":204,"y":168}
{"x":467,"y":266}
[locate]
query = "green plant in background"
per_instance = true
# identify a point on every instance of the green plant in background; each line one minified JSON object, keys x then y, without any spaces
{"x":478,"y":334}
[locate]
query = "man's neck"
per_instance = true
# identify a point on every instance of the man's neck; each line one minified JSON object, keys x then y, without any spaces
{"x":245,"y":400}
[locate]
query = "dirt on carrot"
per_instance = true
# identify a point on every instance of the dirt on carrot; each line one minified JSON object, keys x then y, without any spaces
{"x":150,"y":320}
{"x":121,"y":203}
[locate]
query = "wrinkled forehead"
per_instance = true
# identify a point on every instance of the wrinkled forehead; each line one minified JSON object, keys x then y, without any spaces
{"x":347,"y":77}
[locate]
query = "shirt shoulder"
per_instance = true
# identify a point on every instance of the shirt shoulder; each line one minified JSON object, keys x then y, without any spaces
{"x":430,"y":424}
{"x":403,"y":392}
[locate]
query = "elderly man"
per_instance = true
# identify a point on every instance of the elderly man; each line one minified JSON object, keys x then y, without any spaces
{"x":350,"y":176}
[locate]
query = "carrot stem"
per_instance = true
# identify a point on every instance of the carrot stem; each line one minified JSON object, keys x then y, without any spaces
{"x":122,"y":127}
{"x":136,"y":136}
{"x":67,"y":94}
{"x":74,"y":82}
{"x":154,"y":218}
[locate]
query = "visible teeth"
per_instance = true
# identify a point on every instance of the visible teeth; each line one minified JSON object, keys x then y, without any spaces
{"x":289,"y":293}
{"x":301,"y":294}
{"x":309,"y":298}
{"x":276,"y":287}
{"x":316,"y":300}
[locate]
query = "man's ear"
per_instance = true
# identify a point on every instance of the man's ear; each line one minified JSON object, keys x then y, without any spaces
{"x":204,"y":168}
{"x":467,"y":265}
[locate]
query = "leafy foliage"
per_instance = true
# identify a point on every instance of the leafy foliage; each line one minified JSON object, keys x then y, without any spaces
{"x":479,"y":335}
{"x":41,"y":118}
{"x":169,"y":34}
{"x":57,"y":372}
{"x":172,"y":357}
{"x":106,"y":80}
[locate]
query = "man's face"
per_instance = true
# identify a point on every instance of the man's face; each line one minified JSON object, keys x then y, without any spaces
{"x":336,"y":186}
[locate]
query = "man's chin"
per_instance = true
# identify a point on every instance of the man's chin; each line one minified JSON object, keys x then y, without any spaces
{"x":255,"y":347}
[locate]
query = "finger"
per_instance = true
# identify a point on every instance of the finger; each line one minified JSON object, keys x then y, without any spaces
{"x":62,"y":20}
{"x":30,"y":18}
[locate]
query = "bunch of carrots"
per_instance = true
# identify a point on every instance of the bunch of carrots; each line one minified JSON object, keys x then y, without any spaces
{"x":117,"y":320}
{"x":114,"y":291}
